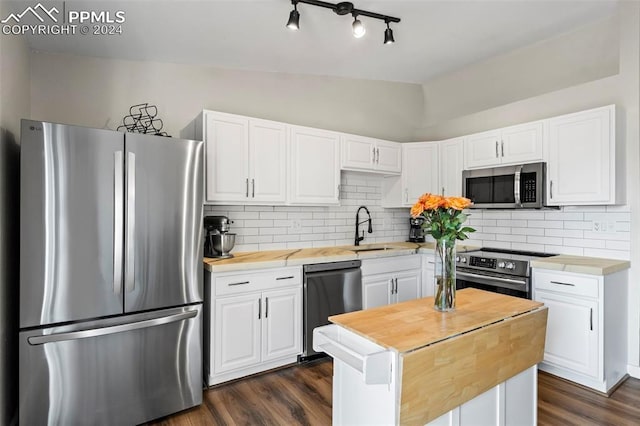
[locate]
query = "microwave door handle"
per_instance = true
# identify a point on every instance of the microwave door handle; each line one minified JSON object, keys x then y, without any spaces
{"x":516,"y":186}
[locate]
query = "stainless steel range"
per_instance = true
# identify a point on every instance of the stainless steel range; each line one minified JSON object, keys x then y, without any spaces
{"x":497,"y":270}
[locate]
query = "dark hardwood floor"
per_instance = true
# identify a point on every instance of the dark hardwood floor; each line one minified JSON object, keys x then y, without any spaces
{"x":301,"y":395}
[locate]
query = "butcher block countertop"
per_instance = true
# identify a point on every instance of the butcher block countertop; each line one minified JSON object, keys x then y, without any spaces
{"x":411,"y":325}
{"x":581,"y":264}
{"x":293,"y":257}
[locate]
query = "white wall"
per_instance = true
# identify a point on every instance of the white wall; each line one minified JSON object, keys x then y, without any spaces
{"x":273,"y":228}
{"x":98,"y":92}
{"x":14,"y":105}
{"x":585,"y":54}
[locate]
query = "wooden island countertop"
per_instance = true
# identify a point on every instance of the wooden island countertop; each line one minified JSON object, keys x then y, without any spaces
{"x":414,"y":324}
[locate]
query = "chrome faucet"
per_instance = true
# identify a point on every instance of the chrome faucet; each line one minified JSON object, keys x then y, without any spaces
{"x":358,"y":223}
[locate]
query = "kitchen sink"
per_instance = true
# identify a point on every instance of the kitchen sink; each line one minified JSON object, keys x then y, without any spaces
{"x":373,"y":247}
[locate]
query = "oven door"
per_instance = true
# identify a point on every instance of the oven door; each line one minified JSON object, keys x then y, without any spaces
{"x":497,"y":283}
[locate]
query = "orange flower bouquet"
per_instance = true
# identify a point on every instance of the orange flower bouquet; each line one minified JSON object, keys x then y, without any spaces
{"x":443,"y":221}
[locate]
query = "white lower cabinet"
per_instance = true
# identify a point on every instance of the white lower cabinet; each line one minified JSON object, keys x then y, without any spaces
{"x":390,"y":280}
{"x":586,"y":326}
{"x":253,"y":322}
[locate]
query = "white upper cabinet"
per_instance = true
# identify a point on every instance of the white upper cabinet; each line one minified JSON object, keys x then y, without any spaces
{"x":451,"y":165}
{"x":421,"y":170}
{"x":268,"y":160}
{"x":315,"y":166}
{"x":510,"y":145}
{"x":368,"y":154}
{"x":581,"y":166}
{"x":420,"y":174}
{"x":245,"y":160}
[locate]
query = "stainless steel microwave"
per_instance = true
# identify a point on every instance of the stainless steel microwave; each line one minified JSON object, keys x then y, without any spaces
{"x":506,"y":187}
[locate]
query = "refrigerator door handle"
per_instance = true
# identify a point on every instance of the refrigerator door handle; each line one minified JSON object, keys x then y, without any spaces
{"x":118,"y":219}
{"x":129,"y":266}
{"x":83,"y":334}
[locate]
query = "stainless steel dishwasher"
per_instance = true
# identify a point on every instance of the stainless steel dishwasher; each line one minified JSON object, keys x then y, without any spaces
{"x":329,"y":289}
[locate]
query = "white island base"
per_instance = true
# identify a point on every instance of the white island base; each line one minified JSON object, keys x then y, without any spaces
{"x":511,"y":403}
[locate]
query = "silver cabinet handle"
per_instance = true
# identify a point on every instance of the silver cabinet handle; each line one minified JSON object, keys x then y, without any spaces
{"x":259,"y":308}
{"x":239,"y":283}
{"x":497,"y":150}
{"x":443,"y":191}
{"x":246,"y":184}
{"x":561,"y":283}
{"x":373,"y":154}
{"x":129,"y":266}
{"x":266,"y":307}
{"x":118,"y":219}
{"x":396,"y":280}
{"x":551,"y":189}
{"x":285,"y":278}
{"x":103,"y":331}
{"x":253,"y":188}
{"x":377,"y":155}
{"x":591,"y":319}
{"x":502,"y":148}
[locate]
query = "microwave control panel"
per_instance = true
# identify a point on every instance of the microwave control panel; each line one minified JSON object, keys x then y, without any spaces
{"x":528,"y":185}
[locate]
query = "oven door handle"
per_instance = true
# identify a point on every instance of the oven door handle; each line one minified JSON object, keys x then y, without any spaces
{"x":489,"y":277}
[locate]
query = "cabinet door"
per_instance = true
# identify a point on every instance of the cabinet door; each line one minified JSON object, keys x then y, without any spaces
{"x":268,"y":161}
{"x":282,"y":323}
{"x":420,"y":171}
{"x":407,"y":286}
{"x":358,"y":152}
{"x":572,"y":332}
{"x":315,"y":166}
{"x":236,"y":332}
{"x":376,"y":291}
{"x":581,"y":158}
{"x":451,"y":165}
{"x":227,"y":150}
{"x":521,"y":144}
{"x":389,"y":157}
{"x":482,"y":149}
{"x":428,"y":275}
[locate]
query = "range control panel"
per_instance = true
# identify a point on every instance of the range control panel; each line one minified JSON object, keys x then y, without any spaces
{"x":483,"y":262}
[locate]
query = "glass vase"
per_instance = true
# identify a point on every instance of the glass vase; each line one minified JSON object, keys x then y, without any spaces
{"x":445,"y":275}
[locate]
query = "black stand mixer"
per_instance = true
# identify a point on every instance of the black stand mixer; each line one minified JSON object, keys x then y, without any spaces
{"x":218,"y":242}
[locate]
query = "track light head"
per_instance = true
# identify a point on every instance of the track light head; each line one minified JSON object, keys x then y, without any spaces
{"x":358,"y":29}
{"x":388,"y":35}
{"x":294,"y":18}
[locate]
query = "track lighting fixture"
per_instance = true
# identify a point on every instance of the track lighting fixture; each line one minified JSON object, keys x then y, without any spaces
{"x":388,"y":35}
{"x":344,"y":8}
{"x":294,"y":17}
{"x":358,"y":29}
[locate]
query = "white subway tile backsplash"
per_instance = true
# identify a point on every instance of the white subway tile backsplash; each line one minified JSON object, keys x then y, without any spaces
{"x":565,"y":231}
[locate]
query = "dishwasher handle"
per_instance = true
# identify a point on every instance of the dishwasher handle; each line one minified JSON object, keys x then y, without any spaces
{"x":331,"y":266}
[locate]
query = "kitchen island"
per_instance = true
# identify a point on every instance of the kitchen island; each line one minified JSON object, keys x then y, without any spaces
{"x":409,"y":364}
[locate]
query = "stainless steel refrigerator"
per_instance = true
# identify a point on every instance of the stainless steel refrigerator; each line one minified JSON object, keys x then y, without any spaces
{"x":110,"y":275}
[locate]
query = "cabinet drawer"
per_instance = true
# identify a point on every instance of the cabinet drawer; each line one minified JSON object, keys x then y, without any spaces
{"x":265,"y":279}
{"x":579,"y":285}
{"x":385,"y":265}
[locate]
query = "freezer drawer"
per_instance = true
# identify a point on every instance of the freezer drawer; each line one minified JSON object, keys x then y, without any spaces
{"x":124,"y":370}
